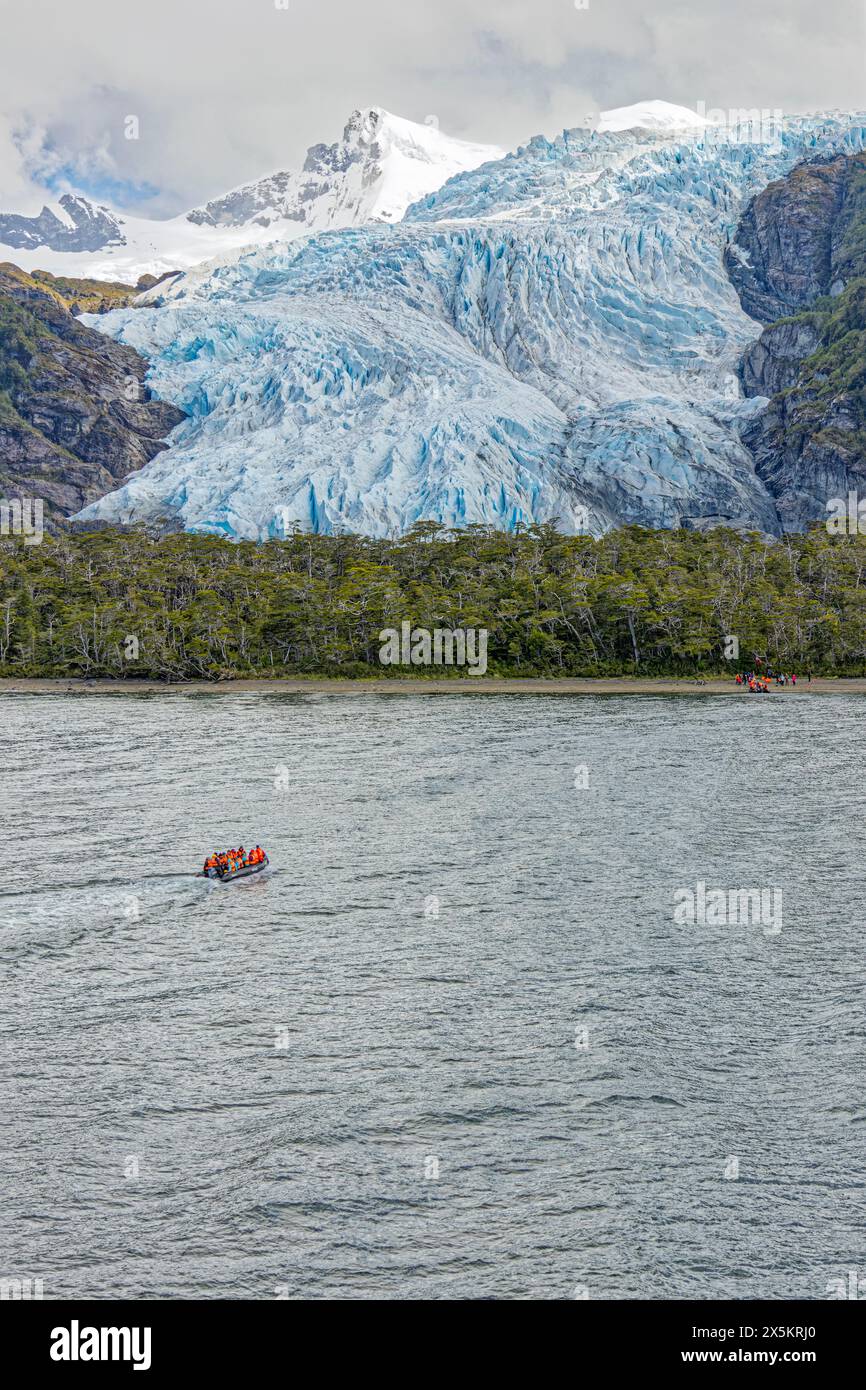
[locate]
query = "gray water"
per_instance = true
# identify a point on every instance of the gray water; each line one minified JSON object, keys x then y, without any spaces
{"x":453,"y":1043}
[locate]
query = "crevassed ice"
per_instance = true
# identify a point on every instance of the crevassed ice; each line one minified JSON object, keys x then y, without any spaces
{"x":549,"y":337}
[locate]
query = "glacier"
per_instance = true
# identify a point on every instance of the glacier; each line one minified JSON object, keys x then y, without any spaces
{"x":549,"y":337}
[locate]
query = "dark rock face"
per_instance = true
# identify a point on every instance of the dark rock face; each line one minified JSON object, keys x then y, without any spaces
{"x":798,"y":262}
{"x":803,"y":468}
{"x":787,"y":236}
{"x":93,"y":228}
{"x":773,"y":363}
{"x":75,"y":415}
{"x":255,"y":202}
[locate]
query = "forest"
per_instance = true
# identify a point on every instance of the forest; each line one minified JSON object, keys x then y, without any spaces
{"x":130,"y":603}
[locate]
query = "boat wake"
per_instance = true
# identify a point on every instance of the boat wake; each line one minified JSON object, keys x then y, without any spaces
{"x":57,"y":917}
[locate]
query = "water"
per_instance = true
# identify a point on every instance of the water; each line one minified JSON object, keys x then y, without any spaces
{"x":247,"y":1090}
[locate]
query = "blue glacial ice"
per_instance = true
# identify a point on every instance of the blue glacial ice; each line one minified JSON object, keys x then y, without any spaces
{"x":550,"y":337}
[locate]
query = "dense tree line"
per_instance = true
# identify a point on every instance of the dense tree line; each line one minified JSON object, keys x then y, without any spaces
{"x":651,"y":602}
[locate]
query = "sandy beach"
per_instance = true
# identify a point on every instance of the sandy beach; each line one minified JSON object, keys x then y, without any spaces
{"x":481,"y":685}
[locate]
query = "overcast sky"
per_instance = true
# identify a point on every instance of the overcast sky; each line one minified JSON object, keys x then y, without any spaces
{"x":225,"y":90}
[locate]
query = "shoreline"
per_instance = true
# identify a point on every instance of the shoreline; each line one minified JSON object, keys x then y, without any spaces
{"x":477,"y":685}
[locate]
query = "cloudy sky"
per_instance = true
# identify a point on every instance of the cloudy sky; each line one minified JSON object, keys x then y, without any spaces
{"x":225,"y":90}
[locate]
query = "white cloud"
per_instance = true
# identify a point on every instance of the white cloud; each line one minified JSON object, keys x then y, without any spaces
{"x":227,"y":89}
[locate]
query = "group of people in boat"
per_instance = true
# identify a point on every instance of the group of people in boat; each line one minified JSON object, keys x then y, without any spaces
{"x":234,"y":859}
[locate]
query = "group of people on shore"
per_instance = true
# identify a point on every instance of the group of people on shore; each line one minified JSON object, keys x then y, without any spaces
{"x":234,"y":859}
{"x":760,"y":684}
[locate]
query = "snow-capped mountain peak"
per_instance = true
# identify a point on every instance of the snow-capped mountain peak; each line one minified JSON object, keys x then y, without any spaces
{"x":663,"y":117}
{"x":378,"y":168}
{"x":381,"y":165}
{"x":72,"y":224}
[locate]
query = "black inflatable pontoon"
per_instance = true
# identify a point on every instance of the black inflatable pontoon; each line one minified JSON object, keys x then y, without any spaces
{"x":238,"y":873}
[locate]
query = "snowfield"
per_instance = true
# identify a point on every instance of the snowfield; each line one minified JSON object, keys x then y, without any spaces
{"x":551,"y":336}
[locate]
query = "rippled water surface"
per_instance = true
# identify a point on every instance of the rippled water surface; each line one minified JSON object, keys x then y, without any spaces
{"x":460,"y":962}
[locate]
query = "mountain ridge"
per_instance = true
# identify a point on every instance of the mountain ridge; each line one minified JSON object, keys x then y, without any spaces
{"x":380,"y":165}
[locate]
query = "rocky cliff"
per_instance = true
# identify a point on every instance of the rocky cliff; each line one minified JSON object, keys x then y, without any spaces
{"x":799,"y":265}
{"x":75,"y":415}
